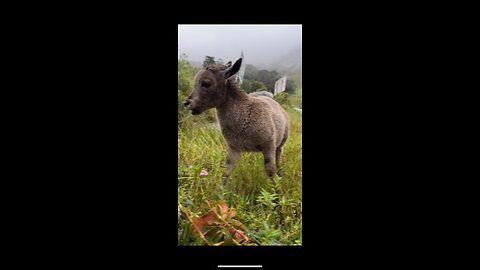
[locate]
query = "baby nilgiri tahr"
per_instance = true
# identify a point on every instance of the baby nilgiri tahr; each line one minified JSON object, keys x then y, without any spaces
{"x":248,"y":123}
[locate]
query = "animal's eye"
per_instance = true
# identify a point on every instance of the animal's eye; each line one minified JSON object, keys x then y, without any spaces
{"x":206,"y":83}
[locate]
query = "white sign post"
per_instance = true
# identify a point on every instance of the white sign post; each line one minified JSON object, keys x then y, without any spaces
{"x":280,"y":85}
{"x":241,"y":72}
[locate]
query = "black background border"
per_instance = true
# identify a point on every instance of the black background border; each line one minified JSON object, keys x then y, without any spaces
{"x":93,"y":99}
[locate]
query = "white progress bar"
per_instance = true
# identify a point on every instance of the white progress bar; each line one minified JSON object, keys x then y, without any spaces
{"x":240,"y":266}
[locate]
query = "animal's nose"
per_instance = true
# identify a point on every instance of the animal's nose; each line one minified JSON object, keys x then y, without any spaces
{"x":186,"y":103}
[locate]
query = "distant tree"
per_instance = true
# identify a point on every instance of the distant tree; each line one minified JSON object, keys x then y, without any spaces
{"x":219,"y":61}
{"x":250,"y":86}
{"x":264,"y":76}
{"x":275,"y":75}
{"x":185,"y":75}
{"x":268,"y":78}
{"x":283,"y":99}
{"x":251,"y":72}
{"x":209,"y":60}
{"x":183,"y":56}
{"x":247,"y":86}
{"x":258,"y":86}
{"x":185,"y":83}
{"x":290,"y":87}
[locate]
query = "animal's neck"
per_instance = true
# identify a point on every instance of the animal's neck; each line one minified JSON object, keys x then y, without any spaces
{"x":234,"y":95}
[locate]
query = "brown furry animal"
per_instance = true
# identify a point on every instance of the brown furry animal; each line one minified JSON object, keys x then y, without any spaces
{"x":248,"y":123}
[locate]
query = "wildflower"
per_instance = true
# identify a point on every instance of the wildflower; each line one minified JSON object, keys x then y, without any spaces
{"x":203,"y":173}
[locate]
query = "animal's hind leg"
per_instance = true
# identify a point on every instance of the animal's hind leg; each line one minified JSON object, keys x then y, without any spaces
{"x":270,"y":161}
{"x":232,"y":157}
{"x":278,"y":154}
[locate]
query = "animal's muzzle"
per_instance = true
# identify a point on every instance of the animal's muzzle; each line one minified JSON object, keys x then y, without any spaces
{"x":189,"y":104}
{"x":186,"y":104}
{"x":196,"y":111}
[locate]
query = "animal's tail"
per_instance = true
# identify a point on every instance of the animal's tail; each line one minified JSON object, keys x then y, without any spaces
{"x":262,"y":93}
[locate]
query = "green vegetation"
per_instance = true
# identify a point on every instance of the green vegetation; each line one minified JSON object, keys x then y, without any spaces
{"x":264,"y":80}
{"x":251,"y":209}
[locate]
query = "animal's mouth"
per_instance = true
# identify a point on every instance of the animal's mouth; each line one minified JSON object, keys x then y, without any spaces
{"x":196,"y":111}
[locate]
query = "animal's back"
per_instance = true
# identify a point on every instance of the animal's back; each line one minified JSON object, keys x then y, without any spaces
{"x":269,"y":118}
{"x":253,"y":123}
{"x":261,"y":93}
{"x":280,"y":118}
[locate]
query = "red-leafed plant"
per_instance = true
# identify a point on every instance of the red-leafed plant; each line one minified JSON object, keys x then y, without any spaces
{"x":217,"y":227}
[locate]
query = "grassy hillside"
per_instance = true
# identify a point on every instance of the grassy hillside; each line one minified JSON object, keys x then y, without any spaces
{"x":251,"y":209}
{"x":271,"y":212}
{"x":297,"y":77}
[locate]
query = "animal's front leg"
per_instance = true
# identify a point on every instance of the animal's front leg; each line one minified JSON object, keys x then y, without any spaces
{"x":232,"y":157}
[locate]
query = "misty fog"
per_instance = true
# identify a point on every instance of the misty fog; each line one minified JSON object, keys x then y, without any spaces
{"x":262,"y":45}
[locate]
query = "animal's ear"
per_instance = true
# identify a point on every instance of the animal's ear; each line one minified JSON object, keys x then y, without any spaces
{"x":233,"y":70}
{"x":229,"y":64}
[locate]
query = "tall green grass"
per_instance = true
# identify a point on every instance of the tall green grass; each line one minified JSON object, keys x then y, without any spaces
{"x":271,"y":210}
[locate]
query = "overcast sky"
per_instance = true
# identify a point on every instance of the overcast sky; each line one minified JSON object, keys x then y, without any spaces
{"x":262,"y":44}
